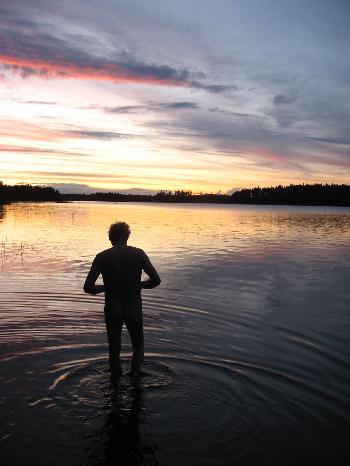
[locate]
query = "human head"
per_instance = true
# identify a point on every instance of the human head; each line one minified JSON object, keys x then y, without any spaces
{"x":119,"y":232}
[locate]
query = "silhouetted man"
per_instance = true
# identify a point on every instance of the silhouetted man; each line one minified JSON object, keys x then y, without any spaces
{"x":121,"y":267}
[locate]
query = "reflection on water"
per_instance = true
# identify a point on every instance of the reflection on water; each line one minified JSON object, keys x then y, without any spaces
{"x":247,"y":343}
{"x":120,"y":441}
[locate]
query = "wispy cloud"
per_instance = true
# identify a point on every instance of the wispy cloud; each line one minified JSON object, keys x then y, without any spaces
{"x":55,"y":153}
{"x":29,"y":131}
{"x":152,"y":107}
{"x":338,"y":141}
{"x":29,"y":51}
{"x":229,"y":113}
{"x":93,"y":134}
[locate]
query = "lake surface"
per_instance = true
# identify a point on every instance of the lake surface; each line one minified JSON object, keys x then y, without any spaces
{"x":247,"y":338}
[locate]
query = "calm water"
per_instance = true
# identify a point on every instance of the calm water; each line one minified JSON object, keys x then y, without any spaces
{"x":247,"y":338}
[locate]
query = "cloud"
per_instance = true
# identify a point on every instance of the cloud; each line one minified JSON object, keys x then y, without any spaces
{"x":131,"y":179}
{"x":216,"y":88}
{"x":129,"y":109}
{"x":226,"y":112}
{"x":31,"y":51}
{"x":154,"y":107}
{"x":32,"y":102}
{"x":77,"y":175}
{"x":232,"y":190}
{"x":93,"y":134}
{"x":40,"y":102}
{"x":179,"y":105}
{"x":251,"y":142}
{"x":29,"y":131}
{"x":80,"y":188}
{"x":39,"y":151}
{"x":341,"y":140}
{"x":282,"y":99}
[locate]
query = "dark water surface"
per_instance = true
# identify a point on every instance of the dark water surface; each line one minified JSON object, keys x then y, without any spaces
{"x":247,"y":338}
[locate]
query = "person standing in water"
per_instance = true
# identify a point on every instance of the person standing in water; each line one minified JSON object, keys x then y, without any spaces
{"x":121,"y":267}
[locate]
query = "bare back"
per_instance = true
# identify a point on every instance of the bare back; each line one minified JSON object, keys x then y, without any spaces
{"x":121,"y":268}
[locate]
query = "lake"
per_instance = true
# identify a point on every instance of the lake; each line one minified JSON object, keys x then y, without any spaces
{"x":247,"y":348}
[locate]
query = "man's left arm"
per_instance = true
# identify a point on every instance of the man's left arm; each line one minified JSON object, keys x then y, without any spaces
{"x":89,"y":285}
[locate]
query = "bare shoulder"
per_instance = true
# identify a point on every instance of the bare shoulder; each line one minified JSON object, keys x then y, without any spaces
{"x":138,"y":254}
{"x":103,"y":254}
{"x":136,"y":251}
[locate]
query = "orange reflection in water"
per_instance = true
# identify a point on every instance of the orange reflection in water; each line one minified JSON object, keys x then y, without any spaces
{"x":67,"y":236}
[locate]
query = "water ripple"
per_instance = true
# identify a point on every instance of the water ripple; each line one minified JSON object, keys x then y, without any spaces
{"x":247,"y":348}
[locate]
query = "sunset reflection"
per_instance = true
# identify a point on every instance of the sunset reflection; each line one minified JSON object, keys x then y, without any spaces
{"x":57,"y":236}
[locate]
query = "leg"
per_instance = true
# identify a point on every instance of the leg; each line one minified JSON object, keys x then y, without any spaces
{"x":134,"y":324}
{"x":114,"y":325}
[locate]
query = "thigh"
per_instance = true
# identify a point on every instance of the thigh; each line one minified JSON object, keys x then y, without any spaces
{"x":134,"y":322}
{"x":114,"y":321}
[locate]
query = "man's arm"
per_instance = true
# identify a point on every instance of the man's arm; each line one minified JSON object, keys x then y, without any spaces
{"x":89,"y":285}
{"x":154,"y":279}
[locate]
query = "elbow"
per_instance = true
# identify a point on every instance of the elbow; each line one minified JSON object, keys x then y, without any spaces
{"x":87,"y":289}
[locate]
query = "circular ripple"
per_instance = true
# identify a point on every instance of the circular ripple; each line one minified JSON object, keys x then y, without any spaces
{"x":86,"y":385}
{"x":188,"y":400}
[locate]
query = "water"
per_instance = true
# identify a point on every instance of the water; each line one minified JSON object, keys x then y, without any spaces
{"x":247,"y":338}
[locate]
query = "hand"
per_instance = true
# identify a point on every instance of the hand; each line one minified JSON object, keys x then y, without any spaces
{"x":98,"y":289}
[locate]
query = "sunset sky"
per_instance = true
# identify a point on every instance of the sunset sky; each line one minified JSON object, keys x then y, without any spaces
{"x":193,"y":94}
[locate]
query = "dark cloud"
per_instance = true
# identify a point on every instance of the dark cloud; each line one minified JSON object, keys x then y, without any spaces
{"x":126,"y":109}
{"x":282,"y":99}
{"x":215,"y":88}
{"x":180,"y":105}
{"x":151,"y":107}
{"x":227,"y":112}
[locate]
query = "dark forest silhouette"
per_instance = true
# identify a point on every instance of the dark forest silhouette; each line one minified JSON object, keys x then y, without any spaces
{"x":27,"y":192}
{"x":302,"y":194}
{"x":299,"y":194}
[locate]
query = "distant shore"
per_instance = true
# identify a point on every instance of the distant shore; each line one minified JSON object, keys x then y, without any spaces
{"x":302,"y":194}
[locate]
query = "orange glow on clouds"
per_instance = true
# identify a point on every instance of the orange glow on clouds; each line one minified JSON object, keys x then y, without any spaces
{"x":107,"y":72}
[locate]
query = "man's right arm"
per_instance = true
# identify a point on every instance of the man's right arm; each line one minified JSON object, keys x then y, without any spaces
{"x":89,"y":286}
{"x":154,"y":279}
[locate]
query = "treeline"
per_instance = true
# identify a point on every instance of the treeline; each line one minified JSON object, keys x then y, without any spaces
{"x":302,"y":194}
{"x":161,"y":196}
{"x":27,"y":192}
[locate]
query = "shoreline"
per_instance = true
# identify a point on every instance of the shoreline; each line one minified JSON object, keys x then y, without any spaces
{"x":64,"y":201}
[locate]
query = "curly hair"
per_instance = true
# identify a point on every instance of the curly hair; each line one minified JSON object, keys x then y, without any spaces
{"x":118,"y":231}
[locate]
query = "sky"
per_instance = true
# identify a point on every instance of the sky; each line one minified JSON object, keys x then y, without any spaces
{"x":210,"y":96}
